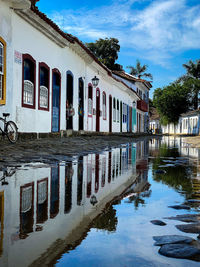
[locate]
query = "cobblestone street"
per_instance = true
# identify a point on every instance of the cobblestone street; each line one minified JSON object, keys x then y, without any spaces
{"x":51,"y":150}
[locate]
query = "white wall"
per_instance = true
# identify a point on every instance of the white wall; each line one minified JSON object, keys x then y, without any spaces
{"x":23,"y":38}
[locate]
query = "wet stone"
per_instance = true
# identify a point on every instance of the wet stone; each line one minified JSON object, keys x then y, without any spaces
{"x":158,"y":222}
{"x":181,"y":251}
{"x":171,"y":239}
{"x":180,"y":207}
{"x":188,"y":218}
{"x":193,"y":201}
{"x":193,"y":228}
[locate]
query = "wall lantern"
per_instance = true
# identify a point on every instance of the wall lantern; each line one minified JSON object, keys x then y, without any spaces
{"x":95,"y":81}
{"x":93,"y":200}
{"x":134,"y":104}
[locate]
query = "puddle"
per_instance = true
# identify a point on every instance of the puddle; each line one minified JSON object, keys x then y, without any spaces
{"x":96,"y":209}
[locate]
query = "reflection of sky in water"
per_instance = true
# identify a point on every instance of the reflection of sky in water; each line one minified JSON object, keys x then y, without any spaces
{"x":132,"y":243}
{"x":52,"y":208}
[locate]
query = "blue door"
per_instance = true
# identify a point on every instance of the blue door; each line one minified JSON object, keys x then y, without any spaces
{"x":56,"y":103}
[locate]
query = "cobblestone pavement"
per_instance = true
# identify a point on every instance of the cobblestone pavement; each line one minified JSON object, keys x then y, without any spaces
{"x":51,"y":150}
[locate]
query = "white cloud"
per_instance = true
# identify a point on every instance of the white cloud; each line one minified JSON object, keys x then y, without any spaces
{"x":156,"y":32}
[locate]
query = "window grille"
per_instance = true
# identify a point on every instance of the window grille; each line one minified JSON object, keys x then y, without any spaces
{"x":26,"y":199}
{"x":42,"y":192}
{"x":90,"y":106}
{"x":28,"y":92}
{"x":43,"y":97}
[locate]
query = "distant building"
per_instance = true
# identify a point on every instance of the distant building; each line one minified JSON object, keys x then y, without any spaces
{"x":141,"y":87}
{"x":154,"y":121}
{"x":188,"y":124}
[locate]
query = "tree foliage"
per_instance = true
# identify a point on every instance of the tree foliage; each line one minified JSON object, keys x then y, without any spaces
{"x":171,"y":101}
{"x":139,"y":70}
{"x":106,"y":50}
{"x":180,"y":96}
{"x":192,"y":80}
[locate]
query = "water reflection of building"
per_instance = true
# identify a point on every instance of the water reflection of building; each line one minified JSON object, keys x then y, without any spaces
{"x":179,"y":154}
{"x":43,"y":205}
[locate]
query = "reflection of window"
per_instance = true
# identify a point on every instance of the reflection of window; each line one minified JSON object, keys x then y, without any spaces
{"x":103,"y":171}
{"x":69,"y":171}
{"x":2,"y":71}
{"x":26,"y":210}
{"x":43,"y":86}
{"x":28,"y":88}
{"x":90,"y":100}
{"x":80,"y":181}
{"x":42,"y":201}
{"x":26,"y":199}
{"x":89,"y":179}
{"x":104,"y":105}
{"x":42,"y":192}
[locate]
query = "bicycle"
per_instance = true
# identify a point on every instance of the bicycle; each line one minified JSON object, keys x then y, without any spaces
{"x":8,"y":128}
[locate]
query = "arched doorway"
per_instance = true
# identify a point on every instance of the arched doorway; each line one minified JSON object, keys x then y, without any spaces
{"x":56,"y":83}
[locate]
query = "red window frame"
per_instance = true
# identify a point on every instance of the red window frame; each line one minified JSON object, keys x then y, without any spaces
{"x":44,"y":65}
{"x":29,"y":57}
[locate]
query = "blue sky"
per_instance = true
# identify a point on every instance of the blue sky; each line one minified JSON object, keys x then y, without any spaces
{"x":163,"y":34}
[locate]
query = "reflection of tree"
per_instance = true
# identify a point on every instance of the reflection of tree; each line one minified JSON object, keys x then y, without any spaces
{"x":107,"y":220}
{"x":177,"y":176}
{"x":138,"y":199}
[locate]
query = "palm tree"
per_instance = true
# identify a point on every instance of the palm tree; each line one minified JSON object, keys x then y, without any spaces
{"x":192,"y":80}
{"x":193,"y":69}
{"x":139,"y":70}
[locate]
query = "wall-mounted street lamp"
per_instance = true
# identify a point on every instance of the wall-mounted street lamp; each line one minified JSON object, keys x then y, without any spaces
{"x":93,"y":200}
{"x":95,"y":81}
{"x":134,"y":104}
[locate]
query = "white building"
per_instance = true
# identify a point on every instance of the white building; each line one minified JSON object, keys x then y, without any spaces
{"x":188,"y":124}
{"x":46,"y":79}
{"x":141,"y":87}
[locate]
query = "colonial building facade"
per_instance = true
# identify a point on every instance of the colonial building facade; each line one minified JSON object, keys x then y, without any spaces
{"x":141,"y":87}
{"x":46,"y":79}
{"x":188,"y":123}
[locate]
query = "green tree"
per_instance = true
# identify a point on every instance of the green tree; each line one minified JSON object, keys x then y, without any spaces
{"x":106,"y":50}
{"x":171,"y":101}
{"x":192,"y":80}
{"x":139,"y":70}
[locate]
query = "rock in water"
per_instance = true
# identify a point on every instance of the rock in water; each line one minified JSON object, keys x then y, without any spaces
{"x":181,"y":251}
{"x":158,"y":222}
{"x":171,"y":239}
{"x":193,"y":228}
{"x":180,"y":207}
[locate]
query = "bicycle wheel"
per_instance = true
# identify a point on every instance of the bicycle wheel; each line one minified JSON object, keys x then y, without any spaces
{"x":11,"y":131}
